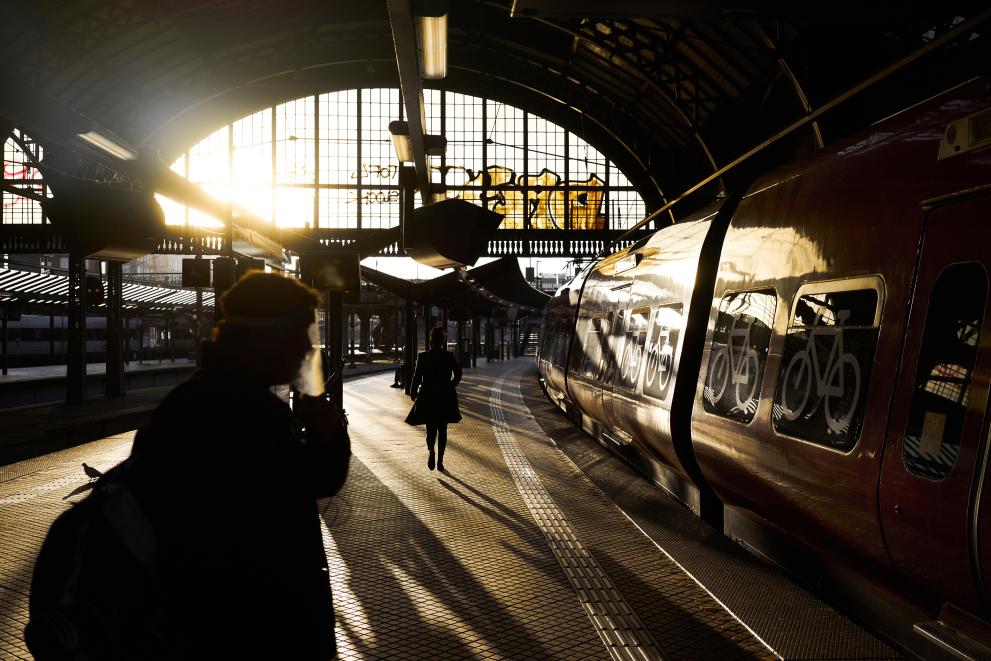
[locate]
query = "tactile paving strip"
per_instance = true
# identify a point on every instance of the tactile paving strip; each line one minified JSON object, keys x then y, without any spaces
{"x":781,"y":614}
{"x":429,"y":565}
{"x":621,"y":630}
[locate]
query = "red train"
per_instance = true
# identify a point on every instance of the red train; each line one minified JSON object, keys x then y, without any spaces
{"x":808,"y":366}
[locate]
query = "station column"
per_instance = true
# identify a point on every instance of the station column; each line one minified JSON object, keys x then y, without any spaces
{"x":115,"y":321}
{"x":409,"y":346}
{"x":335,"y":344}
{"x":476,"y":337}
{"x":75,"y":376}
{"x":365,"y":333}
{"x":428,"y":321}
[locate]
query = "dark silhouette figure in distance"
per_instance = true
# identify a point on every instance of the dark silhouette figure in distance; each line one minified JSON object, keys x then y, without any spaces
{"x":435,"y":400}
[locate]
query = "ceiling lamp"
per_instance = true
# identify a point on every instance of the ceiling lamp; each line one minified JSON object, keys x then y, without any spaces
{"x":399,"y":131}
{"x":108,"y":145}
{"x":433,"y":35}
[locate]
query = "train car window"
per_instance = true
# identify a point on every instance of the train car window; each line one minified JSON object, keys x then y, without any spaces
{"x":827,"y":360}
{"x":552,"y":339}
{"x":564,"y":338}
{"x":561,"y":340}
{"x":659,"y":363}
{"x":610,"y":330}
{"x":636,"y":340}
{"x":580,"y":339}
{"x":588,"y":360}
{"x":615,"y":333}
{"x":945,"y":371}
{"x":739,"y":354}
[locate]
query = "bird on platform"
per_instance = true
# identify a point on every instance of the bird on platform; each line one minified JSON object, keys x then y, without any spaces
{"x":91,"y":472}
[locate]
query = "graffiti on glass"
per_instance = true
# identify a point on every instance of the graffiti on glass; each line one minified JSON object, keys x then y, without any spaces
{"x":375,"y":172}
{"x":26,"y":176}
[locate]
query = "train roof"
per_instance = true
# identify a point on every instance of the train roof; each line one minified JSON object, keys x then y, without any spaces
{"x":912,"y":145}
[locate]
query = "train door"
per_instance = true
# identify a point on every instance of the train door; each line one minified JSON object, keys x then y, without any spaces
{"x":621,"y":407}
{"x":617,"y":319}
{"x":936,"y":449}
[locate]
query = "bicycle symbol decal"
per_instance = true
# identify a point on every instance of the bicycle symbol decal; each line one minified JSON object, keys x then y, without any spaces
{"x":736,"y":364}
{"x":633,"y":356}
{"x":659,"y":361}
{"x":835,"y":379}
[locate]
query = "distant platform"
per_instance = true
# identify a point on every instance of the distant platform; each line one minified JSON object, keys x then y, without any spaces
{"x":35,"y":429}
{"x":536,"y":543}
{"x":25,"y":386}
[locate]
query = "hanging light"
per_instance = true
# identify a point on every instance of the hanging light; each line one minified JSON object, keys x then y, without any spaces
{"x":108,"y":145}
{"x":436,"y":145}
{"x":434,"y":31}
{"x":399,"y":131}
{"x":433,"y":36}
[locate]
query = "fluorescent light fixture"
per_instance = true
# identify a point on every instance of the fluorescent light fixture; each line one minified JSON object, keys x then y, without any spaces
{"x":433,"y":31}
{"x":400,"y":141}
{"x":109,"y":146}
{"x":436,"y":145}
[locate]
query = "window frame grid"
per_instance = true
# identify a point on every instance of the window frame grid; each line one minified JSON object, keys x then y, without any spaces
{"x":467,"y":124}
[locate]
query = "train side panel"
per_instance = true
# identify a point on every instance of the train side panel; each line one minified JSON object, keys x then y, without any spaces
{"x":934,"y":494}
{"x":555,"y":341}
{"x":806,"y":333}
{"x":628,"y":348}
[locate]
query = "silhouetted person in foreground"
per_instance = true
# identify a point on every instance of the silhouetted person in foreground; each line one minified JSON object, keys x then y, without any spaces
{"x":219,"y":554}
{"x":433,"y":392}
{"x":241,"y":474}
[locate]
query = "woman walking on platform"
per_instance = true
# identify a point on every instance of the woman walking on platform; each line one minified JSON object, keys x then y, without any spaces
{"x":433,"y":392}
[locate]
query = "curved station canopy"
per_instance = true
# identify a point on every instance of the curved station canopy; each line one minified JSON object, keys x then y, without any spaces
{"x":669,"y":91}
{"x":484,"y":288}
{"x":264,"y":130}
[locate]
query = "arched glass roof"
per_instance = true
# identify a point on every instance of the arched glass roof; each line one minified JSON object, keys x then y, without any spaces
{"x":327,"y":161}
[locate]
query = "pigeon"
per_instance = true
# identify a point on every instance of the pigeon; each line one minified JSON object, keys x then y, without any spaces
{"x":91,"y":472}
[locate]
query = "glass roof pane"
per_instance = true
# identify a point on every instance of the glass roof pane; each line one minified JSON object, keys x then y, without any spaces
{"x":329,"y":159}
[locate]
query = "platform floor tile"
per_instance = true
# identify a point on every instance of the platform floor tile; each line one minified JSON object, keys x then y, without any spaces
{"x":442,"y":565}
{"x":459,"y":558}
{"x":32,"y":494}
{"x":466,"y":564}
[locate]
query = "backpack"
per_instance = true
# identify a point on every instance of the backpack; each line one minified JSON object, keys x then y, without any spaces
{"x":95,"y":590}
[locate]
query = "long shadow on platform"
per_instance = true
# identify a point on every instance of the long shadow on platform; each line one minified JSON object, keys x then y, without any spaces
{"x":391,"y":556}
{"x":679,"y":630}
{"x":502,"y":514}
